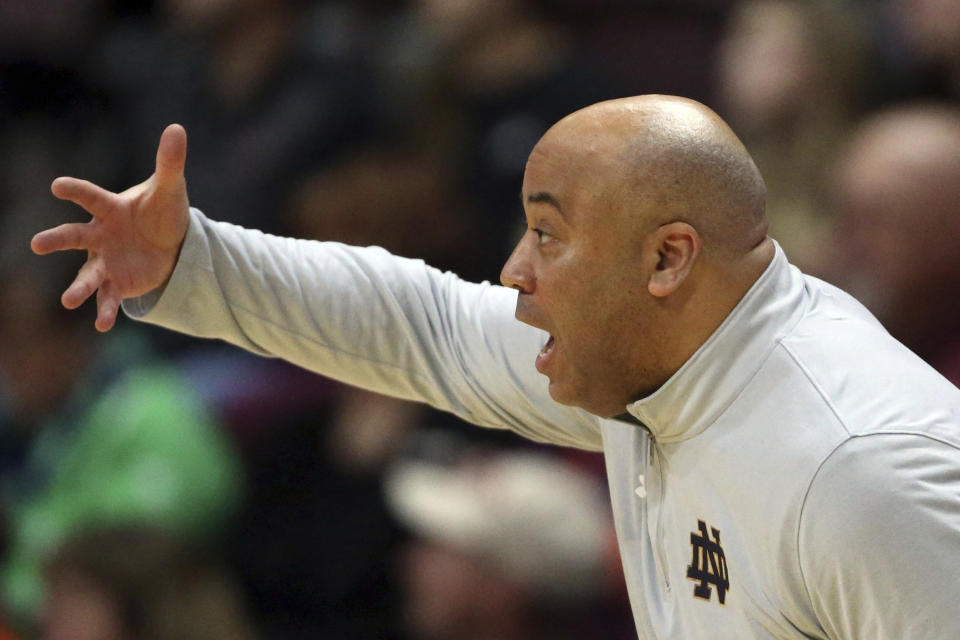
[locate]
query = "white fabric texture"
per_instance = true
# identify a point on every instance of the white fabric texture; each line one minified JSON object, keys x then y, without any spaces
{"x":821,"y":456}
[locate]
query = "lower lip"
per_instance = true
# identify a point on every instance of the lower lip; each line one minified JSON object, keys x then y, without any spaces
{"x":544,"y":356}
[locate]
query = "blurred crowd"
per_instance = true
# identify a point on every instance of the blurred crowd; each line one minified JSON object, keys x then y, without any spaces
{"x":156,"y":487}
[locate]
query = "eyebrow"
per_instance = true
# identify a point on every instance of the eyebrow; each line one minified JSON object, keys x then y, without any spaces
{"x":543,"y":197}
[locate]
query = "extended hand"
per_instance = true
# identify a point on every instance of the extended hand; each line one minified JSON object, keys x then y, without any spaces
{"x":134,"y":238}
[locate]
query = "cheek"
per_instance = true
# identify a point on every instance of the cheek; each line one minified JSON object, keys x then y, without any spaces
{"x":595,"y":301}
{"x":589,"y":292}
{"x":599,"y":324}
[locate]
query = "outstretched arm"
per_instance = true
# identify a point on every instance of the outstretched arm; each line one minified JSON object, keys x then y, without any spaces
{"x":134,"y":237}
{"x":368,"y":318}
{"x":359,"y":315}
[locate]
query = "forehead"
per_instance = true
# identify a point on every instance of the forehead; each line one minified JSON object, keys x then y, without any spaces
{"x":575,"y":171}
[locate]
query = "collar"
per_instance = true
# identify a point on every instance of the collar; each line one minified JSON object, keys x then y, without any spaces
{"x":702,"y":389}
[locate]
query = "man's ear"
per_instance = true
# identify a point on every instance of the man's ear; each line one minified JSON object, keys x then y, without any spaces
{"x":677,"y":245}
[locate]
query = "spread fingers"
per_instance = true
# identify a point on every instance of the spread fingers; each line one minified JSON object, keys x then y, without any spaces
{"x":96,"y":200}
{"x":108,"y":302}
{"x":88,"y":280}
{"x":73,"y":235}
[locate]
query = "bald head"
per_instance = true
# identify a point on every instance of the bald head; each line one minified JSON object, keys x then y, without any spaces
{"x":657,"y":159}
{"x":645,"y":227}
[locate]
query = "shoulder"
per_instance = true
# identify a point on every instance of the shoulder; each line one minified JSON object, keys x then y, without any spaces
{"x":871,"y":381}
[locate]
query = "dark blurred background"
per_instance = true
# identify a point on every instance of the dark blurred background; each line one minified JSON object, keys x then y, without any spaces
{"x":147,"y":478}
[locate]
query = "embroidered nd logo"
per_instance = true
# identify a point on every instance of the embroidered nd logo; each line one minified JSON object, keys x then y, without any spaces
{"x":708,"y":565}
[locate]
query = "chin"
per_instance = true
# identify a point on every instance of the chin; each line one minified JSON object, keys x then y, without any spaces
{"x":561,"y":395}
{"x":576,"y":398}
{"x":604,"y":408}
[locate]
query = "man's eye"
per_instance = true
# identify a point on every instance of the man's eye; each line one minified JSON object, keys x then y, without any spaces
{"x":542,"y":236}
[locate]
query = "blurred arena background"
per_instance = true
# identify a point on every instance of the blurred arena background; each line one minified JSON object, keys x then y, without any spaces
{"x":155,"y":487}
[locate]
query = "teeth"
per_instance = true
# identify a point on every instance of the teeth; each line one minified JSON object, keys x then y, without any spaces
{"x":546,"y":348}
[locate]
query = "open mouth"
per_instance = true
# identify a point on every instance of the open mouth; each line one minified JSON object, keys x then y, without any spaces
{"x":544,"y":354}
{"x":547,"y":348}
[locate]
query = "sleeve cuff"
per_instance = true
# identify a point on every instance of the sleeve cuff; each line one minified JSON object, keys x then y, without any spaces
{"x":140,"y":307}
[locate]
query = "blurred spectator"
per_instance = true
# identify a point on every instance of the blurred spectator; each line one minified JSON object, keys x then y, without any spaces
{"x":5,"y":632}
{"x":259,"y":104}
{"x":920,"y":49}
{"x":479,"y":82}
{"x":656,"y":46}
{"x":789,"y":82}
{"x":137,"y":583}
{"x":313,"y":540}
{"x":400,"y":199}
{"x":897,"y":234}
{"x":513,"y":546}
{"x":49,"y":32}
{"x":92,"y":430}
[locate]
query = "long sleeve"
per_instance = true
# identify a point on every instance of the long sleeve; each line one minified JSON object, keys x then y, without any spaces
{"x":367,"y":318}
{"x":880,"y":539}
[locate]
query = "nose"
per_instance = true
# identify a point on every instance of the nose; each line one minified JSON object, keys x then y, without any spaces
{"x":517,"y":272}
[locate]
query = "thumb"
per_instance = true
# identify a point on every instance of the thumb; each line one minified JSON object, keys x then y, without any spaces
{"x":171,"y":155}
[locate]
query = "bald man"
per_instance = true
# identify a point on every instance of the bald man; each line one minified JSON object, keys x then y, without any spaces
{"x":897,"y":196}
{"x":779,"y":466}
